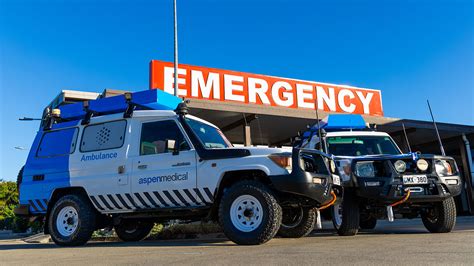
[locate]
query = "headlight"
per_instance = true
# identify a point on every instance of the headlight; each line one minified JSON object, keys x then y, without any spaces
{"x":282,"y":160}
{"x":422,"y":164}
{"x":365,"y":169}
{"x":333,"y":166}
{"x":443,"y":168}
{"x":345,"y":169}
{"x":400,"y":166}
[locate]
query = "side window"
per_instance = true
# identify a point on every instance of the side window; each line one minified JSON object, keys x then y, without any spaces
{"x":58,"y":143}
{"x":105,"y":136}
{"x":154,"y":136}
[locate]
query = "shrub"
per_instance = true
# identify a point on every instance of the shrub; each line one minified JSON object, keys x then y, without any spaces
{"x":8,"y":201}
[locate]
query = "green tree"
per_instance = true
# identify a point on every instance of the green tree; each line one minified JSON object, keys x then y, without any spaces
{"x":8,"y":199}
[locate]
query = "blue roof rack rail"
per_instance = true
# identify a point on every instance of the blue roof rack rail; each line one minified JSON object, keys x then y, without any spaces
{"x":126,"y":103}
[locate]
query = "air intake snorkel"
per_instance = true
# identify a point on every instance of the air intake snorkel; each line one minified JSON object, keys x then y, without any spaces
{"x":182,"y":108}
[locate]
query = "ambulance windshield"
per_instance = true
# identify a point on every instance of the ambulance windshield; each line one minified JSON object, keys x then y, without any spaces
{"x":211,"y":137}
{"x":361,"y":145}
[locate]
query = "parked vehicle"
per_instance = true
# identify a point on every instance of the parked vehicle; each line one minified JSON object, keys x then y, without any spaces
{"x":380,"y":181}
{"x":132,"y":160}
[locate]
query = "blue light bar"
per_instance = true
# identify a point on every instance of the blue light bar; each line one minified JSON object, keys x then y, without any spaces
{"x":341,"y":122}
{"x":149,"y":99}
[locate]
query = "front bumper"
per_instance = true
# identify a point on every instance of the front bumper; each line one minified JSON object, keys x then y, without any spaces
{"x":388,"y":190}
{"x":316,"y":185}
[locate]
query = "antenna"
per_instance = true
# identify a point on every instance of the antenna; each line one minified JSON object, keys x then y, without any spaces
{"x":406,"y":137}
{"x":437,"y":131}
{"x":29,"y":119}
{"x":319,"y":129}
{"x":175,"y":49}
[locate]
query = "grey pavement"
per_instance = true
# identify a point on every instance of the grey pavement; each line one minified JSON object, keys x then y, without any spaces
{"x":400,"y":243}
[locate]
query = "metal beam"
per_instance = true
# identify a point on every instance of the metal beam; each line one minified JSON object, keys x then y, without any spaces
{"x":239,"y":122}
{"x":435,"y":142}
{"x":280,"y":142}
{"x":400,"y":132}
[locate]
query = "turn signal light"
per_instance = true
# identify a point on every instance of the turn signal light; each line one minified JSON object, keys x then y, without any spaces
{"x":284,"y":161}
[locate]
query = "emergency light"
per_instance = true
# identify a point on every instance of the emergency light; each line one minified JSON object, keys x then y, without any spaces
{"x":339,"y":122}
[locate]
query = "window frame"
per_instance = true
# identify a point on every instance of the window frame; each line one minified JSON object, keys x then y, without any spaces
{"x":101,"y":123}
{"x":53,"y":131}
{"x":180,"y":128}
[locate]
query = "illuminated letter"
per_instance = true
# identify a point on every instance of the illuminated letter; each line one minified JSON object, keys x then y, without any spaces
{"x":329,"y":100}
{"x":212,"y":84}
{"x":365,"y":100}
{"x":169,"y":81}
{"x":304,"y":92}
{"x":260,"y":90}
{"x":287,"y":94}
{"x":342,"y":94}
{"x":230,"y":87}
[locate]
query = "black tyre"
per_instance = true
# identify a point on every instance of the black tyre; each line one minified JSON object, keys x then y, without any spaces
{"x":297,"y":222}
{"x":249,"y":213}
{"x":345,"y":216}
{"x":441,"y":218}
{"x":133,"y":230}
{"x":72,"y":221}
{"x":367,"y":223}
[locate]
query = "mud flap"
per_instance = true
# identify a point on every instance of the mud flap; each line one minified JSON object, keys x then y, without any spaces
{"x":319,"y":225}
{"x":390,"y":213}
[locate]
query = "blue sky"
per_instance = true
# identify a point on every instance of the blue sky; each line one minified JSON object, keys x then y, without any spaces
{"x":411,"y":50}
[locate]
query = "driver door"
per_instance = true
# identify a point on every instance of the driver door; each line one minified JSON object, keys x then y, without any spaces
{"x":162,"y":176}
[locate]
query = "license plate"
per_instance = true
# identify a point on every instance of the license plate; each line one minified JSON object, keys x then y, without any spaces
{"x":336,"y":180}
{"x":415,"y":179}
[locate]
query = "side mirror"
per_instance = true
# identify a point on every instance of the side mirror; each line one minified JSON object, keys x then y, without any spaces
{"x":171,"y":146}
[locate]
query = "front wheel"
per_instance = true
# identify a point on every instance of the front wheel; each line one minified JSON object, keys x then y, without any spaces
{"x":72,"y":221}
{"x":249,"y":213}
{"x":441,"y":218}
{"x":130,"y":230}
{"x":297,"y":222}
{"x":345,"y":216}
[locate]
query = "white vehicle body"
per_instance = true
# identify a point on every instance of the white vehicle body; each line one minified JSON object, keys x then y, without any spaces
{"x":131,"y":160}
{"x":142,"y":184}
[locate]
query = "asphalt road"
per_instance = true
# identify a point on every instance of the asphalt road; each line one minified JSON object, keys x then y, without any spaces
{"x":403,"y":242}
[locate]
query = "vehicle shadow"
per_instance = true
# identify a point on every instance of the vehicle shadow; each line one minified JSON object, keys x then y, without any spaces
{"x":376,"y":231}
{"x":407,"y":227}
{"x":400,"y":226}
{"x":146,"y":243}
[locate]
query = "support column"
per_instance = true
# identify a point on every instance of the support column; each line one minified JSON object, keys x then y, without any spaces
{"x":247,"y":136}
{"x":467,"y":172}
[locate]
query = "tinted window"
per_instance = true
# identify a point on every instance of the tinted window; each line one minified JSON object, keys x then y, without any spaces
{"x":361,"y":145}
{"x":103,"y":136}
{"x":58,"y":142}
{"x":154,"y":136}
{"x":211,"y":137}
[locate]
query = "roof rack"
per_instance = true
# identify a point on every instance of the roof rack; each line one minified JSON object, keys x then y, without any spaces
{"x":125,"y":103}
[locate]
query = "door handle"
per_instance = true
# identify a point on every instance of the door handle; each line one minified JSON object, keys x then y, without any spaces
{"x":181,"y":164}
{"x":142,"y":166}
